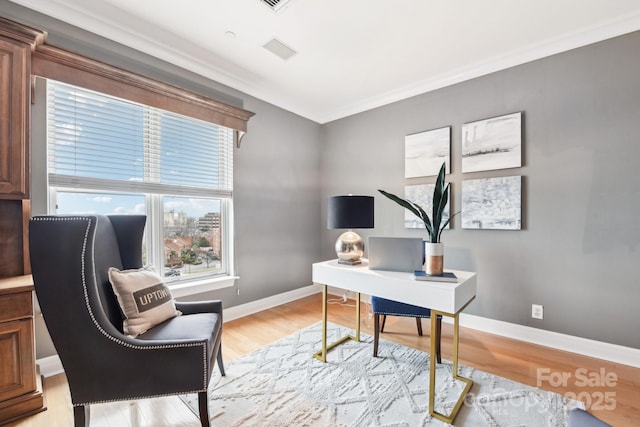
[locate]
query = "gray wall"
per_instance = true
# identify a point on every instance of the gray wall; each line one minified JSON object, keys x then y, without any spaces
{"x":276,"y":174}
{"x":579,"y":248}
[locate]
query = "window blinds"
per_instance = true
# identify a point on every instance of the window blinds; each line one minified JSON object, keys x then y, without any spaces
{"x":100,"y":142}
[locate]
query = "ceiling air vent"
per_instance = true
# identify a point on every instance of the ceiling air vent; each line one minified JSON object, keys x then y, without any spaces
{"x":275,"y":5}
{"x":279,"y":49}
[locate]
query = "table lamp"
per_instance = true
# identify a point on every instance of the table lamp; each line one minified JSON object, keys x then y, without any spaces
{"x":350,"y":212}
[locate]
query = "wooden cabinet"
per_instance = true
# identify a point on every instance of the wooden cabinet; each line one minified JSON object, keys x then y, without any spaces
{"x":16,"y":45}
{"x":20,"y":388}
{"x":14,"y":118}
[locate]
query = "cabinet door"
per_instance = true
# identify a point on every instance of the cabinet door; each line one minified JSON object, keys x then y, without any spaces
{"x":14,"y":119}
{"x":17,"y":375}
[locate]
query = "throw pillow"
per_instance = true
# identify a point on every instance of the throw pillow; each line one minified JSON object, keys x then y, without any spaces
{"x":144,"y":299}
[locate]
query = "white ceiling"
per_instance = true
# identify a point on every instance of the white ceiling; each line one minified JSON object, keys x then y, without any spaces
{"x":352,"y":55}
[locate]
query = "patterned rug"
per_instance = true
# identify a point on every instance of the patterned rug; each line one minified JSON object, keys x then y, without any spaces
{"x":283,"y":385}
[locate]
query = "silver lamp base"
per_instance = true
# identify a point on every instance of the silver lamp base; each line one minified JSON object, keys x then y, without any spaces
{"x":349,"y":248}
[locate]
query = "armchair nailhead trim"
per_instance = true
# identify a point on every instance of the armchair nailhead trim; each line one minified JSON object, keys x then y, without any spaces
{"x":108,"y":335}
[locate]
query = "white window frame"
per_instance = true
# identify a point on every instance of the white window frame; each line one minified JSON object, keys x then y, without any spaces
{"x":154,"y":239}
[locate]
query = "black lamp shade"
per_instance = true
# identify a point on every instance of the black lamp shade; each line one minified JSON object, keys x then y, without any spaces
{"x":350,"y":212}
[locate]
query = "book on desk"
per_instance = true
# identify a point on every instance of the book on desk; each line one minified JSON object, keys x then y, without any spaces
{"x":445,"y":277}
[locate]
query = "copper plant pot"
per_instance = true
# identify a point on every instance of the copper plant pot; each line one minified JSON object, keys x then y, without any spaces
{"x":434,"y":258}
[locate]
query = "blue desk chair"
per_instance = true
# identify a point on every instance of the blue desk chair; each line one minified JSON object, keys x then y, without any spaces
{"x":385,"y":307}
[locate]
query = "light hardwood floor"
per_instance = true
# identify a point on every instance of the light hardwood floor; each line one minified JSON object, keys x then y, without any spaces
{"x":516,"y":360}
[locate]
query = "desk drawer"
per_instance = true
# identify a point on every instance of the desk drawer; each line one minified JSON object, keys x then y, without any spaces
{"x":15,"y":306}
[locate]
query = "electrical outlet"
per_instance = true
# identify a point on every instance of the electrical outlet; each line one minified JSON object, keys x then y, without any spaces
{"x":537,"y":311}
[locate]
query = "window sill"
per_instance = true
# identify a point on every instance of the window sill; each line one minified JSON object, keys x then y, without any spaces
{"x":200,"y":286}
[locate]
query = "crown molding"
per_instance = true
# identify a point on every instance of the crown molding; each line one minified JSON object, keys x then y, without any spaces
{"x":608,"y":30}
{"x":241,"y":80}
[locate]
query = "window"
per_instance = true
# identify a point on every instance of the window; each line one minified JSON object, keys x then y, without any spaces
{"x":112,"y":156}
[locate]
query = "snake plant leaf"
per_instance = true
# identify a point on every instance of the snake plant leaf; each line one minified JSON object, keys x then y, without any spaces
{"x":413,"y":208}
{"x":401,"y":202}
{"x":438,"y":190}
{"x":445,"y":224}
{"x":442,"y":203}
{"x":440,"y":200}
{"x":425,"y":218}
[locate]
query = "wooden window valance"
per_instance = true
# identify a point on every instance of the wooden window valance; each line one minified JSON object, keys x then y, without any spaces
{"x":59,"y":64}
{"x":21,"y":33}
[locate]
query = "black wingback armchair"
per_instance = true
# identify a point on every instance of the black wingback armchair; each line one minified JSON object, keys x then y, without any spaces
{"x":70,"y":257}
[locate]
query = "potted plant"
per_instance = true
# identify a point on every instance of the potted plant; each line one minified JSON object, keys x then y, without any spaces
{"x":434,"y":248}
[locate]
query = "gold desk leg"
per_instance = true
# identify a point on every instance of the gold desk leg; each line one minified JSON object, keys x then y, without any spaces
{"x":322,"y":354}
{"x":432,"y":369}
{"x":358,"y":317}
{"x":432,"y":364}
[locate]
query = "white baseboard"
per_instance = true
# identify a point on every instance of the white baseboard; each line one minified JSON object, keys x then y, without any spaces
{"x":615,"y":353}
{"x":586,"y":347}
{"x":252,"y":307}
{"x":50,"y":366}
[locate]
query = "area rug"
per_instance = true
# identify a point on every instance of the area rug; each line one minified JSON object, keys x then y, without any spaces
{"x":283,"y":385}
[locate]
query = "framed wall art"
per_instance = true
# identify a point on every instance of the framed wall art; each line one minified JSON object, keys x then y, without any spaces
{"x":491,"y":144}
{"x":492,"y":203}
{"x":424,"y":152}
{"x":422,"y":194}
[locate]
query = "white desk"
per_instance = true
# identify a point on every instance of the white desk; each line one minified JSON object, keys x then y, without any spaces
{"x":443,"y":298}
